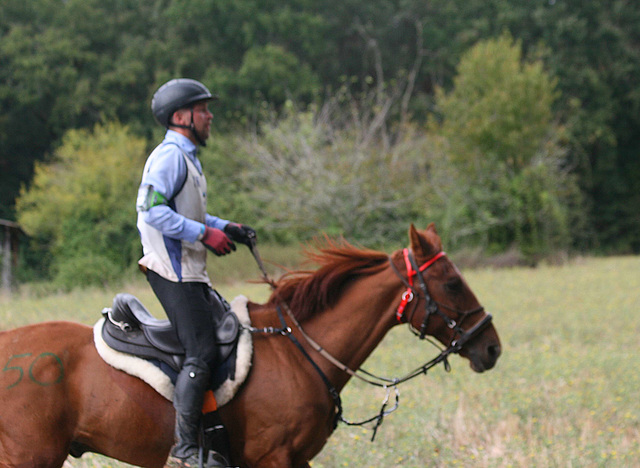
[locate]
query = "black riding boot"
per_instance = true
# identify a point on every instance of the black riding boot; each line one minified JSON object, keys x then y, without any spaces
{"x":192,"y":382}
{"x":215,"y":439}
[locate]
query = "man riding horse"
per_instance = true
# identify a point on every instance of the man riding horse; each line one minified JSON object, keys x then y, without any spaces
{"x":176,"y":231}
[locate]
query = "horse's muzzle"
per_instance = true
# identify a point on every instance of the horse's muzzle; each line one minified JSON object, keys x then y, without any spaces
{"x":482,"y":345}
{"x":485,"y":357}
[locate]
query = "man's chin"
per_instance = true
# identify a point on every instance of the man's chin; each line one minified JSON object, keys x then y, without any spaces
{"x":203,"y":137}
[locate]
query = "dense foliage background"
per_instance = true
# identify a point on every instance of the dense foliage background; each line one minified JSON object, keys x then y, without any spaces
{"x":512,"y":124}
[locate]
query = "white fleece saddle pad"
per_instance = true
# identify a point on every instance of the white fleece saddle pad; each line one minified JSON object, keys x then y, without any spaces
{"x":161,"y":382}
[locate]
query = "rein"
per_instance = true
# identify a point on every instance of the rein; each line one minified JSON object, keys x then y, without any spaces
{"x":431,"y":308}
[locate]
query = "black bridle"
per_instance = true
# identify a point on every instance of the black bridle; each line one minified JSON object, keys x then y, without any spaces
{"x":432,"y":307}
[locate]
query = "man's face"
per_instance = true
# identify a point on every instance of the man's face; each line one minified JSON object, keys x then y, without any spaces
{"x":202,"y":118}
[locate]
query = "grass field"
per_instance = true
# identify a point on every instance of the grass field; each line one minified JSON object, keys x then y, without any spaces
{"x":565,"y":393}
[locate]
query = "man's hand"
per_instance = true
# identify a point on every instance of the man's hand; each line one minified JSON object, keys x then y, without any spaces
{"x":217,"y":241}
{"x":240,"y":233}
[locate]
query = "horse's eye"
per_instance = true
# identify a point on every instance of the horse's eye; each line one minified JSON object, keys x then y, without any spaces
{"x":453,"y":286}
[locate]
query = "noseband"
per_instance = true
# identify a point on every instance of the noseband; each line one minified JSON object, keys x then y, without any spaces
{"x":432,"y":307}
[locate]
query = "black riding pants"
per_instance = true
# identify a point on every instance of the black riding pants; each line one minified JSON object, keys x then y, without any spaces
{"x":191,"y":309}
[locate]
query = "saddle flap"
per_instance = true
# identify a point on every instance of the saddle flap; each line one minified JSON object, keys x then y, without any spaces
{"x":227,"y":329}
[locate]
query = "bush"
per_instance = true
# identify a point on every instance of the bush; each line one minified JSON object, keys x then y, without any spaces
{"x":324,"y":171}
{"x":89,"y":270}
{"x":80,"y":208}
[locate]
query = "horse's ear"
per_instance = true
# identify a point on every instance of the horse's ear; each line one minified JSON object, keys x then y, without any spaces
{"x":423,"y":243}
{"x":418,"y":243}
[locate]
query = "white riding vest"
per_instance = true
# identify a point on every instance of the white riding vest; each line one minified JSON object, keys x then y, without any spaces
{"x":174,"y":259}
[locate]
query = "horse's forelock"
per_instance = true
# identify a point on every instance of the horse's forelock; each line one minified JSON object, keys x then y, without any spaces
{"x":309,"y":292}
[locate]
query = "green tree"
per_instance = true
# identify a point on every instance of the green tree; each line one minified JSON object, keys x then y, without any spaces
{"x":80,"y":207}
{"x":592,"y":49}
{"x":268,"y":74}
{"x":69,"y":64}
{"x":506,"y":184}
{"x":72,"y":63}
{"x":500,"y":106}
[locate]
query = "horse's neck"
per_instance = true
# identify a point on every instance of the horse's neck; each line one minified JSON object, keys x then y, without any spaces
{"x":354,"y":327}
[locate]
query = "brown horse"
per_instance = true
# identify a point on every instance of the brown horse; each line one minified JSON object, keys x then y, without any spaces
{"x":57,"y":396}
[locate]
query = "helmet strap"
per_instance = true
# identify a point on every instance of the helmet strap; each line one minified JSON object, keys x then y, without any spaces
{"x":191,"y":127}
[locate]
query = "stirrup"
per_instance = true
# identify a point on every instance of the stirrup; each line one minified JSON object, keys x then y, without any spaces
{"x":213,"y":459}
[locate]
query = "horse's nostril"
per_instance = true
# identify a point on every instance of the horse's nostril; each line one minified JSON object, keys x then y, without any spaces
{"x":494,"y":351}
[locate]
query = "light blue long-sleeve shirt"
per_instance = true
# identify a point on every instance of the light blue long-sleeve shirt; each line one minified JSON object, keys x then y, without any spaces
{"x":166,"y":172}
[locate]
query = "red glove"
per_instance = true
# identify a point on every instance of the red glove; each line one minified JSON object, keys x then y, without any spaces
{"x":217,"y":241}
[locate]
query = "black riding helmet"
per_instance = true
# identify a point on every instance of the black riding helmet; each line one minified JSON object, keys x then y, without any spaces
{"x":178,"y":94}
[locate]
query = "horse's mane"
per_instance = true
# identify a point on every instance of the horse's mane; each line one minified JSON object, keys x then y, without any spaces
{"x":308,"y":292}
